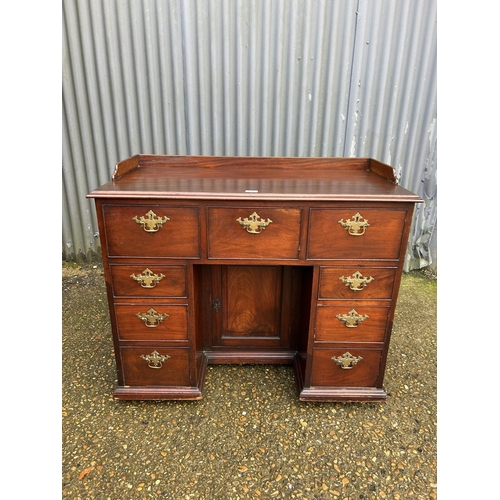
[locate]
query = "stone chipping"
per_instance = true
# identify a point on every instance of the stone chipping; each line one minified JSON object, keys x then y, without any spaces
{"x":249,"y":437}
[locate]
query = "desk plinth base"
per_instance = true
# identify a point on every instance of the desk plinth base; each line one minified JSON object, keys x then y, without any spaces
{"x":129,"y":392}
{"x":157,"y":393}
{"x":345,"y":394}
{"x":334,"y":394}
{"x":312,"y":394}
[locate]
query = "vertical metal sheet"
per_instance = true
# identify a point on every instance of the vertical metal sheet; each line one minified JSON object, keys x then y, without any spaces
{"x":240,"y":77}
{"x":392,"y":104}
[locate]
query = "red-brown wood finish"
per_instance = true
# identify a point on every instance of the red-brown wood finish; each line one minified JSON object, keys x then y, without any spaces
{"x":190,"y":284}
{"x":258,"y":286}
{"x":325,"y":372}
{"x":381,"y":240}
{"x":329,"y":328}
{"x":166,"y":322}
{"x":356,"y":282}
{"x":178,"y":237}
{"x":151,"y":280}
{"x":228,"y":239}
{"x":173,"y":372}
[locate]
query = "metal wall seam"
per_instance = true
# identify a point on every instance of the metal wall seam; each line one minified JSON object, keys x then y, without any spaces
{"x":232,"y":77}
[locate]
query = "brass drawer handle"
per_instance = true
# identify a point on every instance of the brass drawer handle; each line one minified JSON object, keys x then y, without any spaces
{"x":151,"y":318}
{"x":147,"y":279}
{"x":254,"y":224}
{"x":352,"y":319}
{"x":356,"y":227}
{"x":155,"y":359}
{"x":357,"y":281}
{"x":347,"y":360}
{"x":150,"y":222}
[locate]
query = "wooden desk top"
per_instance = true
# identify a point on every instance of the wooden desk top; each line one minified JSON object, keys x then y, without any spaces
{"x":253,"y":178}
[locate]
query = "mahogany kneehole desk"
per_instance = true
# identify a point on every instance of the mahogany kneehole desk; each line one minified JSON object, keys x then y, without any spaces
{"x":252,"y":260}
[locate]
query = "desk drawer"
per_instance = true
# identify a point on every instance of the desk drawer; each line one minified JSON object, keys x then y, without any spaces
{"x":148,"y":280}
{"x":151,"y":231}
{"x":253,"y":233}
{"x":356,"y":282}
{"x":361,"y":367}
{"x":355,"y":233}
{"x":151,"y":321}
{"x":348,"y":323}
{"x":155,"y":366}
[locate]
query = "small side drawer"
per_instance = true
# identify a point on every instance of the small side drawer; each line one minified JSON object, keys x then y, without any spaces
{"x":350,"y":323}
{"x":372,"y":234}
{"x":151,"y":231}
{"x":151,"y":321}
{"x":364,"y":373}
{"x":148,"y":280}
{"x":155,"y":366}
{"x":241,"y":233}
{"x":356,"y":282}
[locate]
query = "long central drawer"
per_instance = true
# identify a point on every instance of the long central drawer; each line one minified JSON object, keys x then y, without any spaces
{"x":251,"y":232}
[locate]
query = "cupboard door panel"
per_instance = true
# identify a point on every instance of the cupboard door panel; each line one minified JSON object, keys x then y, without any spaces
{"x":254,"y":307}
{"x":253,"y":297}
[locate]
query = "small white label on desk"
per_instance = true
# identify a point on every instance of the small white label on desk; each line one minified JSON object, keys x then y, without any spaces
{"x":251,"y":190}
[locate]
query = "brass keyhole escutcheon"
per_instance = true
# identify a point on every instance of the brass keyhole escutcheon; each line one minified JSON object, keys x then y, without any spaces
{"x":150,"y":222}
{"x":355,"y":227}
{"x":254,"y":224}
{"x":216,"y":305}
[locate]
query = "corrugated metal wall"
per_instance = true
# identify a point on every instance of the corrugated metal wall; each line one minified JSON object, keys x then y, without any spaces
{"x":242,"y":77}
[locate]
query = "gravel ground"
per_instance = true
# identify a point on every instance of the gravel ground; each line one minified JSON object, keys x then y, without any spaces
{"x":249,"y":438}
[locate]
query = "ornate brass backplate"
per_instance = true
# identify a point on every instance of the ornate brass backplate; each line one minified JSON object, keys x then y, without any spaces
{"x":347,"y":360}
{"x":155,"y":359}
{"x":152,"y":318}
{"x":352,"y":319}
{"x":355,"y":227}
{"x":253,"y":223}
{"x":150,"y":222}
{"x":357,"y":281}
{"x":147,"y":279}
